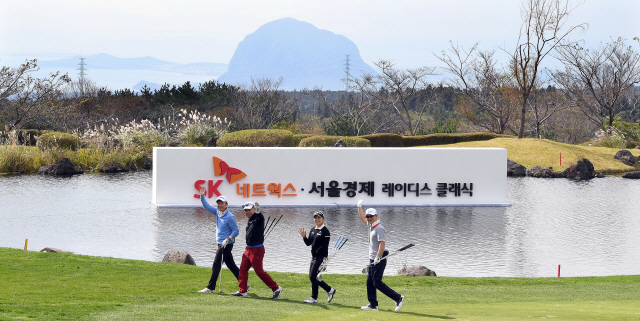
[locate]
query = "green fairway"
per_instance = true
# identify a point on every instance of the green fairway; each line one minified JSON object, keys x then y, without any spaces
{"x":50,"y":286}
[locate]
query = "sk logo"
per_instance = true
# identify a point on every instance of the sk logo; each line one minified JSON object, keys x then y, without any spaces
{"x":220,"y":167}
{"x":233,"y":174}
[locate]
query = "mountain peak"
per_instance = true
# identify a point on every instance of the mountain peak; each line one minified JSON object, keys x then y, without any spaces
{"x":302,"y":54}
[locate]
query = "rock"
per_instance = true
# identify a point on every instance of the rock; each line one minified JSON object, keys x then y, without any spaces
{"x":174,"y":143}
{"x":626,"y":157}
{"x":599,"y":175}
{"x":52,"y":250}
{"x":174,"y":256}
{"x":581,"y":170}
{"x":61,"y":168}
{"x":632,"y":175}
{"x":212,"y":142}
{"x":539,"y":172}
{"x":637,"y":147}
{"x":416,"y":271}
{"x":515,"y":170}
{"x":148,"y":164}
{"x":340,"y":143}
{"x":113,"y":168}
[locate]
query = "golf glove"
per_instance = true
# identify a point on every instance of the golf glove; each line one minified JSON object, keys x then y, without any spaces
{"x":225,"y":242}
{"x":360,"y":201}
{"x":323,"y":266}
{"x":376,"y":261}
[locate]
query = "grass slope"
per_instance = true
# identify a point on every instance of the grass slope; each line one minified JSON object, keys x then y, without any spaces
{"x":56,"y":286}
{"x":546,"y":153}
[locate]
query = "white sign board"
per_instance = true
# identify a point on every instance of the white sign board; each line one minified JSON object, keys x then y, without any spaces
{"x":335,"y":176}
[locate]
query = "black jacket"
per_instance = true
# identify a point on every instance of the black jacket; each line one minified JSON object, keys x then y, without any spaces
{"x":255,"y":230}
{"x":319,"y":241}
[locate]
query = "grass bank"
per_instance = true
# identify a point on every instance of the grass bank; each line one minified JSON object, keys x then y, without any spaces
{"x":546,"y":153}
{"x":58,"y":286}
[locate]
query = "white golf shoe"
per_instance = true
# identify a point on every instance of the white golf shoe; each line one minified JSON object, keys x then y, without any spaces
{"x":244,"y":295}
{"x":330,"y":294}
{"x":205,"y":290}
{"x":311,"y":300}
{"x":277,"y":293}
{"x":369,"y":307}
{"x":399,"y":303}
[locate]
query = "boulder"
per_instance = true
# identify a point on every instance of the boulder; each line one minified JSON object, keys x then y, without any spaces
{"x":515,"y":170}
{"x":148,"y":163}
{"x":581,"y":170}
{"x":53,"y":250}
{"x":416,"y":271}
{"x":632,"y":175}
{"x":626,"y":157}
{"x":174,"y":256}
{"x":539,"y":172}
{"x":64,"y":167}
{"x":113,"y":168}
{"x":212,"y":142}
{"x":340,"y":143}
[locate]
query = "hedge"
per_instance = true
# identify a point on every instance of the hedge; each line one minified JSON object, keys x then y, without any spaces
{"x":257,"y":138}
{"x":384,"y":140}
{"x":51,"y":139}
{"x":330,"y":141}
{"x":443,"y":139}
{"x":299,"y":137}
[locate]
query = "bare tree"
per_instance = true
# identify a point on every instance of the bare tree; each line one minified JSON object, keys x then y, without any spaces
{"x":25,"y":99}
{"x":488,"y":91}
{"x":543,"y":104}
{"x":542,"y":32}
{"x":399,"y":88}
{"x":262,"y":105}
{"x":597,"y":80}
{"x":359,"y":110}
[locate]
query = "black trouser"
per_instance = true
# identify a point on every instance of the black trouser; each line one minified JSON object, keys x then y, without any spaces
{"x":374,"y":281}
{"x":217,"y":264}
{"x":313,"y":275}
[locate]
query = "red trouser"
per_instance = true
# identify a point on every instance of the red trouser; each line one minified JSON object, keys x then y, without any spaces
{"x":252,"y":257}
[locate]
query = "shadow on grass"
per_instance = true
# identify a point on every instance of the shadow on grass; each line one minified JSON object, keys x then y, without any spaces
{"x":326,"y":307}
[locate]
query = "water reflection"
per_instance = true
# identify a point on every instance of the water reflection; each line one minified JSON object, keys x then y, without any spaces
{"x":590,"y":228}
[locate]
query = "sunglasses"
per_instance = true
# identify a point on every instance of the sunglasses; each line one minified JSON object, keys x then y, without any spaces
{"x":369,"y":216}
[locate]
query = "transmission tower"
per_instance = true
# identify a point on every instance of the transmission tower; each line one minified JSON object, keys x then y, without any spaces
{"x":82,"y":74}
{"x":347,"y":74}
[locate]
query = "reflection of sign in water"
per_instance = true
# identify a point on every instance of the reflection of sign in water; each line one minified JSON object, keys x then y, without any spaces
{"x":331,"y":176}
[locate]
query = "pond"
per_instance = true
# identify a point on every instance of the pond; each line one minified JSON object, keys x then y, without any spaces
{"x":590,"y":228}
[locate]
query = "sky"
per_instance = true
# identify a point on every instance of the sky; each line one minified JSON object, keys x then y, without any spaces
{"x":407,"y":32}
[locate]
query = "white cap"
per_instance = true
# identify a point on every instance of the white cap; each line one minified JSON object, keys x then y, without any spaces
{"x":221,"y":198}
{"x":247,"y":206}
{"x":371,"y":211}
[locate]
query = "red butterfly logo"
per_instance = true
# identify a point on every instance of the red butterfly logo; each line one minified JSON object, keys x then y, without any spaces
{"x":233,"y":174}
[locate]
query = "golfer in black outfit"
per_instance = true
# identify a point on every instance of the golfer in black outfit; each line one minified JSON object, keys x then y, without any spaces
{"x":319,"y":238}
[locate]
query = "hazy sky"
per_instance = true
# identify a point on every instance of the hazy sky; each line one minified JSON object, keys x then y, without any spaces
{"x":407,"y":32}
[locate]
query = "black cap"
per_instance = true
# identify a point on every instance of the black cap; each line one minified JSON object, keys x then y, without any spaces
{"x":318,"y":213}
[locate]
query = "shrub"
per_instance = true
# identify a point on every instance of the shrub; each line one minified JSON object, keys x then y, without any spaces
{"x":257,"y":138}
{"x":51,"y":140}
{"x":299,"y":137}
{"x":22,"y":159}
{"x":443,"y":139}
{"x":330,"y":141}
{"x":384,"y":140}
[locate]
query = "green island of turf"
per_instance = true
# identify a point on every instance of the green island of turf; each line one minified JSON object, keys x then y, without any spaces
{"x":61,"y":286}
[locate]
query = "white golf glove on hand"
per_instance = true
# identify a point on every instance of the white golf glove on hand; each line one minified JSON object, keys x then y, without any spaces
{"x":225,"y":242}
{"x":360,"y":201}
{"x":376,"y":261}
{"x":323,"y":266}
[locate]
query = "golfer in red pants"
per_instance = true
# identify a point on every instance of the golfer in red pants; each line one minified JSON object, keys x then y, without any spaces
{"x":254,"y":254}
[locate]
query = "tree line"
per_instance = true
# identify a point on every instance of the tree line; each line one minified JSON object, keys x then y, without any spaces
{"x":596,"y":88}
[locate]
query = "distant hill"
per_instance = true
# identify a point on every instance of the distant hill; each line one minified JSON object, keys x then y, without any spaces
{"x":105,"y":61}
{"x":150,"y":85}
{"x":302,"y":54}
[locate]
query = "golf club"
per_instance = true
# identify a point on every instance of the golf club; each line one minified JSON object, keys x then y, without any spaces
{"x":269,"y":228}
{"x":267,"y":222}
{"x":272,"y":227}
{"x":334,"y":250}
{"x":220,"y":280}
{"x":366,"y":268}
